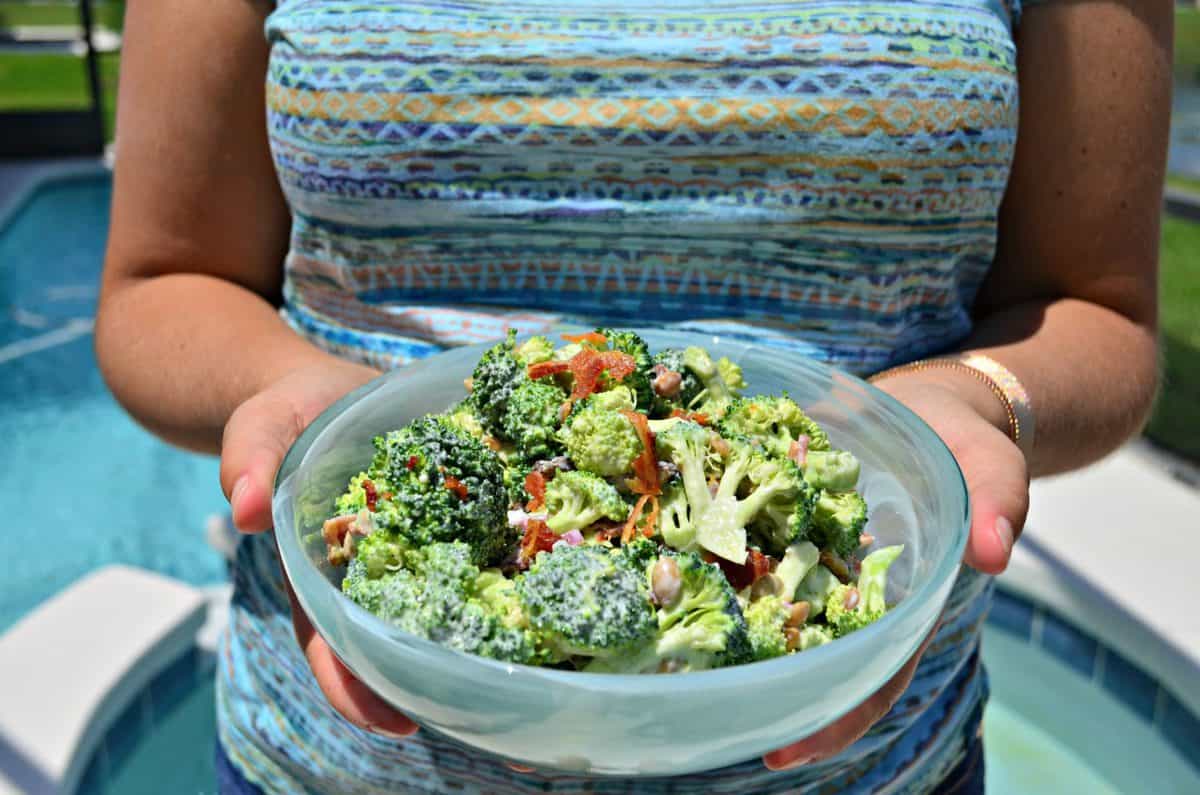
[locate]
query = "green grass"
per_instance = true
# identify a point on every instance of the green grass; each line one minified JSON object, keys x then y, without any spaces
{"x":41,"y":81}
{"x":1187,"y":44}
{"x":1176,"y":420}
{"x":1183,"y":183}
{"x":12,"y":14}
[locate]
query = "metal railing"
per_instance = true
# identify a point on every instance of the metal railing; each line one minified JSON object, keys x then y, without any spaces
{"x":28,"y":133}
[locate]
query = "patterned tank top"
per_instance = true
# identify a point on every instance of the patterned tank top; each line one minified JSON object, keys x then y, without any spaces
{"x":823,"y":176}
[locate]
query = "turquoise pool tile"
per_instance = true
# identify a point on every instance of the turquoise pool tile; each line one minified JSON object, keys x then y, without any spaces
{"x":174,"y":684}
{"x":1181,"y":728}
{"x":1130,"y":685}
{"x":1069,"y":645}
{"x":93,"y":781}
{"x":1013,"y":615}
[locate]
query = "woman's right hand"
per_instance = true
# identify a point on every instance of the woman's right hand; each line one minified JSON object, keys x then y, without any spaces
{"x":256,"y":439}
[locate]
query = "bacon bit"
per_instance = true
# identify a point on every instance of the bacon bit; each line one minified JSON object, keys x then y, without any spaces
{"x":469,"y":383}
{"x":543,"y":369}
{"x":538,"y":538}
{"x":694,"y":416}
{"x":645,"y":466}
{"x":741,"y":575}
{"x":372,"y":495}
{"x":412,"y":462}
{"x":458,"y":487}
{"x":865,"y":540}
{"x":798,"y":450}
{"x":592,"y":337}
{"x":492,"y":442}
{"x":535,"y":484}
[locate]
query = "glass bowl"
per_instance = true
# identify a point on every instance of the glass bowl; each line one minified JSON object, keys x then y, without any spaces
{"x":630,"y":725}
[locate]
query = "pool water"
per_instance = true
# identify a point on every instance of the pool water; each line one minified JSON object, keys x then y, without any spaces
{"x":81,"y":485}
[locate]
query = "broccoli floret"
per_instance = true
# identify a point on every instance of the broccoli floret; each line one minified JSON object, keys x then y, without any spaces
{"x":355,"y":498}
{"x":498,"y":593}
{"x":381,"y":552}
{"x":587,"y":600}
{"x":689,"y":385}
{"x":534,"y":350}
{"x":531,"y":420}
{"x":443,"y":597}
{"x":675,"y":519}
{"x":838,"y":520}
{"x":619,"y":398}
{"x":832,"y":470}
{"x":497,"y":374}
{"x":765,"y":619}
{"x":815,"y":589}
{"x":701,"y":628}
{"x":781,"y":504}
{"x":773,"y":422}
{"x":392,"y":595}
{"x":462,"y":416}
{"x":813,"y":635}
{"x":601,"y":441}
{"x":721,"y":381}
{"x":445,"y":486}
{"x":798,"y":560}
{"x":852,"y":607}
{"x":577,"y":499}
{"x":639,"y":380}
{"x":766,"y":495}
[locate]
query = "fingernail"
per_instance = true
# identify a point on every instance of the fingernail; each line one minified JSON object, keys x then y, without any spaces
{"x":778,"y":764}
{"x":390,"y":734}
{"x":238,"y":489}
{"x":1004,"y":534}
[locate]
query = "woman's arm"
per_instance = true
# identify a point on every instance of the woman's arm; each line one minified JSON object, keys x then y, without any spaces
{"x":1070,"y":305}
{"x":187,"y":330}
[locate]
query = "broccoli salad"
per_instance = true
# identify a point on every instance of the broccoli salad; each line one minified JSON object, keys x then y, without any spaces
{"x":592,"y":506}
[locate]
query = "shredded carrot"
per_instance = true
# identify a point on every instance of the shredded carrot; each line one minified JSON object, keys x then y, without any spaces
{"x":645,"y":466}
{"x":694,"y":416}
{"x":631,"y":523}
{"x":593,"y":337}
{"x":458,"y":487}
{"x":535,"y":484}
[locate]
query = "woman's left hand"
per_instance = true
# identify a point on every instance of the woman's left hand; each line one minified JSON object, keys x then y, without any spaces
{"x":998,"y":484}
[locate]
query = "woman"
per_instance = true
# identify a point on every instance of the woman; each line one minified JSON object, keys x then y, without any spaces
{"x":837,"y":178}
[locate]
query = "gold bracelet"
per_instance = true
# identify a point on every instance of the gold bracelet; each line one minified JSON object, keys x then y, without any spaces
{"x":997,"y":378}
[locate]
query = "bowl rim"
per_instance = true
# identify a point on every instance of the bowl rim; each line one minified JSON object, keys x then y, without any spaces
{"x":634,"y":684}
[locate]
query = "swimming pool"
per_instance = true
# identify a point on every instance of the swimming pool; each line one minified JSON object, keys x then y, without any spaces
{"x":1068,"y":714}
{"x":77,"y":471}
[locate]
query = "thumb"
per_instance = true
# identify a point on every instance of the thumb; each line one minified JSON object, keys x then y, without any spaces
{"x":998,"y":484}
{"x":257,"y":437}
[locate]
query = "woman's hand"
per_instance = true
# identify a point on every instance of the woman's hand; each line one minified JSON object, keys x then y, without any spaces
{"x":995,"y":472}
{"x":257,"y":437}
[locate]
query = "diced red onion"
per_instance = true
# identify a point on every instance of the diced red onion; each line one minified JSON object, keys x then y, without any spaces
{"x":573,"y":537}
